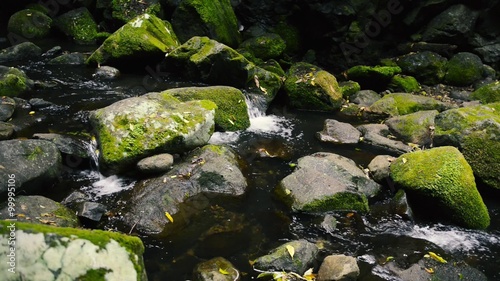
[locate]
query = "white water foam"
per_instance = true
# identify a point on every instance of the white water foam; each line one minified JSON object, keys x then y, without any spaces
{"x":107,"y":185}
{"x":272,"y":124}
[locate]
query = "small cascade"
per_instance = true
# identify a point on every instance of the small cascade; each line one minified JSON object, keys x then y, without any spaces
{"x":93,"y":153}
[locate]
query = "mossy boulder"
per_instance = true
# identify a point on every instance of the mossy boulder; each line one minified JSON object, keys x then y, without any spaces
{"x":427,"y":67}
{"x":79,"y":25}
{"x":125,"y":10}
{"x":143,"y":39}
{"x":216,"y":269}
{"x":54,"y":253}
{"x":137,"y":127}
{"x":488,"y":93}
{"x":452,"y":26}
{"x":325,"y":182}
{"x":311,"y":88}
{"x":13,"y":82}
{"x":441,"y":180}
{"x":463,"y":69}
{"x":30,"y":24}
{"x":349,"y":88}
{"x":416,"y":128}
{"x":211,"y":18}
{"x":266,"y":46}
{"x":372,"y":77}
{"x":404,"y":103}
{"x":231,"y":113}
{"x":206,"y":60}
{"x":290,"y":34}
{"x":403,"y":83}
{"x":21,"y":51}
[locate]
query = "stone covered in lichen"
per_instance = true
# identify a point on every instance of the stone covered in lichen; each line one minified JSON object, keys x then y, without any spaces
{"x":349,"y":88}
{"x":231,"y":113}
{"x":416,"y":128}
{"x":428,"y":67}
{"x":61,"y":253}
{"x":79,"y":25}
{"x":441,"y":180}
{"x":13,"y":82}
{"x":463,"y":69}
{"x":125,"y":10}
{"x":266,"y":46}
{"x":372,"y":77}
{"x":488,"y":93}
{"x":137,"y":127}
{"x":142,"y":38}
{"x":212,"y":18}
{"x":403,"y":103}
{"x":403,"y":83}
{"x":311,"y":88}
{"x":30,"y":24}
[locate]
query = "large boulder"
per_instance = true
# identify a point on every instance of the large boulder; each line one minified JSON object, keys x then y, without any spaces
{"x":311,"y":88}
{"x":476,"y":131}
{"x":231,"y":113}
{"x":208,"y":172}
{"x":403,"y":103}
{"x":79,"y":25}
{"x":325,"y":182}
{"x":416,"y":128}
{"x":22,"y":51}
{"x":428,"y":67}
{"x":29,"y":165}
{"x":441,"y":185}
{"x":212,"y":18}
{"x":144,"y":38}
{"x":463,"y":69}
{"x":488,"y":93}
{"x":206,"y":60}
{"x":61,"y":253}
{"x":30,"y":24}
{"x":13,"y":82}
{"x":134,"y":128}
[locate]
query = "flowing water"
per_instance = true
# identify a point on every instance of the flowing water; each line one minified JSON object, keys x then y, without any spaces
{"x":250,"y":226}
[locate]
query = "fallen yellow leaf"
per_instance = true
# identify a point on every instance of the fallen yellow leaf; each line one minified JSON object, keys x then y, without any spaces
{"x":223,"y":271}
{"x":436,"y":257}
{"x":291,"y":250}
{"x":169,"y":217}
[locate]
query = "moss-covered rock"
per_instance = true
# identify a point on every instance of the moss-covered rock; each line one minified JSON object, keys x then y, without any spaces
{"x":13,"y":82}
{"x":290,"y":34}
{"x":403,"y":103}
{"x":125,"y":10}
{"x":416,"y":128}
{"x":349,"y":88}
{"x":463,"y":69}
{"x":311,"y":88}
{"x":372,"y":77}
{"x":22,"y":51}
{"x":403,"y":83}
{"x":142,"y":39}
{"x":273,"y":66}
{"x":79,"y":25}
{"x":488,"y":93}
{"x":427,"y":67}
{"x":231,"y":113}
{"x":216,"y":269}
{"x":441,"y":180}
{"x":137,"y":127}
{"x":30,"y":24}
{"x":212,"y":18}
{"x":266,"y":46}
{"x":54,"y":253}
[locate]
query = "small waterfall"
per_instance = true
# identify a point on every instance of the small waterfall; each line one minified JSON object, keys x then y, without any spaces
{"x":256,"y":105}
{"x":93,"y":153}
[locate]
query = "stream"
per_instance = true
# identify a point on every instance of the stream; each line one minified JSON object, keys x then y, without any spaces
{"x":256,"y":223}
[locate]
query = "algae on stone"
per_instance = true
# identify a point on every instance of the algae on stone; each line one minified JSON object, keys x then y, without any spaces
{"x":13,"y":82}
{"x":372,"y":77}
{"x":403,"y":103}
{"x":266,"y":46}
{"x":463,"y":69}
{"x":403,"y":83}
{"x":488,"y":93}
{"x":30,"y":24}
{"x":79,"y":25}
{"x":427,"y":67}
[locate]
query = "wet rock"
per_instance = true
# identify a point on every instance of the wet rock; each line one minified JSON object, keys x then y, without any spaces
{"x":311,"y":88}
{"x":74,"y":253}
{"x":7,"y":107}
{"x":34,"y":164}
{"x":400,"y":206}
{"x":265,"y":47}
{"x":329,"y":223}
{"x":489,"y":53}
{"x":13,"y":82}
{"x":209,"y":61}
{"x":338,"y":132}
{"x":373,"y":77}
{"x":127,"y":44}
{"x":463,"y":69}
{"x":403,"y":103}
{"x":440,"y":178}
{"x":37,"y":103}
{"x":324,"y":182}
{"x":378,"y":135}
{"x":79,"y":25}
{"x":156,"y":164}
{"x":428,"y":67}
{"x":338,"y":267}
{"x":349,"y":88}
{"x":39,"y":210}
{"x":22,"y":51}
{"x":211,"y":170}
{"x":451,"y":26}
{"x":29,"y":24}
{"x":488,"y":93}
{"x":462,"y":95}
{"x":476,"y":131}
{"x":138,"y":127}
{"x":69,"y":59}
{"x":231,"y":113}
{"x":214,"y":19}
{"x":404,"y":83}
{"x":380,"y":167}
{"x":52,"y":52}
{"x":126,"y":10}
{"x":365,"y":97}
{"x":415,"y":128}
{"x":74,"y":197}
{"x":106,"y":73}
{"x":6,"y":130}
{"x":67,"y":144}
{"x":279,"y":259}
{"x":90,"y":210}
{"x":216,"y":269}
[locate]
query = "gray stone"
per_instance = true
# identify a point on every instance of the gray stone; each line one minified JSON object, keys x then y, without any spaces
{"x":6,"y":130}
{"x":7,"y":108}
{"x":489,"y":53}
{"x":380,"y":167}
{"x":377,"y":136}
{"x":106,"y":73}
{"x":22,"y":51}
{"x":90,"y":210}
{"x":451,"y":26}
{"x":365,"y":97}
{"x":428,"y":67}
{"x":216,"y":269}
{"x":338,"y":267}
{"x":338,"y":132}
{"x":38,"y":103}
{"x":69,"y":59}
{"x":414,"y":128}
{"x":67,"y":144}
{"x":156,"y":164}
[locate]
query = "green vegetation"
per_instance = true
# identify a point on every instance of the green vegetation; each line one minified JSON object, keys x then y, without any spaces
{"x":266,"y":46}
{"x":341,"y":201}
{"x":349,"y":88}
{"x":463,"y":69}
{"x":30,"y":24}
{"x":13,"y":82}
{"x":488,"y":93}
{"x":402,"y":83}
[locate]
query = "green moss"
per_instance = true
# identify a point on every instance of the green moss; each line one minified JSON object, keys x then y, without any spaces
{"x":125,"y":10}
{"x":79,"y":25}
{"x":273,"y":66}
{"x":488,"y":93}
{"x":290,"y":34}
{"x":403,"y":83}
{"x":30,"y":24}
{"x":339,"y":201}
{"x":266,"y":46}
{"x":429,"y":68}
{"x":36,"y":153}
{"x":349,"y":88}
{"x":403,"y":103}
{"x":373,"y":72}
{"x":463,"y":69}
{"x":211,"y":180}
{"x":481,"y":149}
{"x":94,"y":275}
{"x":66,"y":214}
{"x":13,"y":82}
{"x":443,"y":175}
